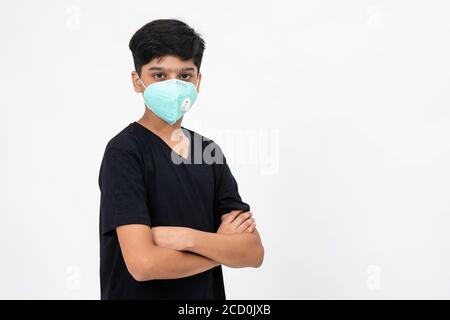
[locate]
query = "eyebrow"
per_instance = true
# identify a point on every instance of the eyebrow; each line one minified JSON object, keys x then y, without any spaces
{"x":163,"y":69}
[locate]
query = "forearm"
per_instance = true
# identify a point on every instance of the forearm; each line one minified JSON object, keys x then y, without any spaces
{"x":232,"y":250}
{"x":164,"y":263}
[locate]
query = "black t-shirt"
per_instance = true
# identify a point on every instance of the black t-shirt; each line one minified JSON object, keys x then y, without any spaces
{"x":142,"y":181}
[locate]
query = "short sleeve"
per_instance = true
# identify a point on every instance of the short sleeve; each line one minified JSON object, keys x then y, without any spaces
{"x":228,"y":197}
{"x":123,"y":191}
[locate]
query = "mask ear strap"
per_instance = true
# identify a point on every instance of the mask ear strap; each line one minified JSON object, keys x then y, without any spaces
{"x":196,"y":84}
{"x":141,"y":82}
{"x":144,"y":87}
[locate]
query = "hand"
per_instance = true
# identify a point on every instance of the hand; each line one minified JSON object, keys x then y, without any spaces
{"x":170,"y":237}
{"x":237,"y":221}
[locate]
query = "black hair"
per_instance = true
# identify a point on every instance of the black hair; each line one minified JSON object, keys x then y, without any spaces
{"x":163,"y":37}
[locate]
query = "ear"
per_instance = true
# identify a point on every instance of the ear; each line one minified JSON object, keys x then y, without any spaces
{"x":199,"y":81}
{"x":137,"y":85}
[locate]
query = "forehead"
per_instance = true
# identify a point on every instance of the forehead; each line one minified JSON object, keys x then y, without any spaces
{"x":170,"y":63}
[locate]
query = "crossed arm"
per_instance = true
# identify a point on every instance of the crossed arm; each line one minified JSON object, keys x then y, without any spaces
{"x":177,"y":252}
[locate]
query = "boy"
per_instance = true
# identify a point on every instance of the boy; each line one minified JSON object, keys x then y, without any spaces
{"x":169,"y":218}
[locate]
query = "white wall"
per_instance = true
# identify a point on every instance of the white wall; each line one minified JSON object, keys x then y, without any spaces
{"x":343,"y":104}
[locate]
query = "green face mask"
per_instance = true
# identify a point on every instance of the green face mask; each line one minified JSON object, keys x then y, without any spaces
{"x":170,"y":99}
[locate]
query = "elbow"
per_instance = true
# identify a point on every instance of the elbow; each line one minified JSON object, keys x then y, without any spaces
{"x":253,"y":258}
{"x":141,"y":270}
{"x":255,"y":254}
{"x":258,"y":257}
{"x":140,"y":276}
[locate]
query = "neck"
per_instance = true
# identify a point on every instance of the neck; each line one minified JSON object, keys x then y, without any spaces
{"x":157,"y":125}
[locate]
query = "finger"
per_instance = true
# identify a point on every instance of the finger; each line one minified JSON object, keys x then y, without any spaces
{"x":245,"y":225}
{"x":251,"y":228}
{"x":241,"y":218}
{"x":231,"y":216}
{"x":231,"y":213}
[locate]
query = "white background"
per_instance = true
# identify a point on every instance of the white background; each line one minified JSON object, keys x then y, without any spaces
{"x":349,"y":103}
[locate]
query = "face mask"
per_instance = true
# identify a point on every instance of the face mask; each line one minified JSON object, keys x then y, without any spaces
{"x":170,"y":99}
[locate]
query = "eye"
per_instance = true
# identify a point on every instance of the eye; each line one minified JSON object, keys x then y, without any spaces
{"x":159,"y":75}
{"x":185,"y":76}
